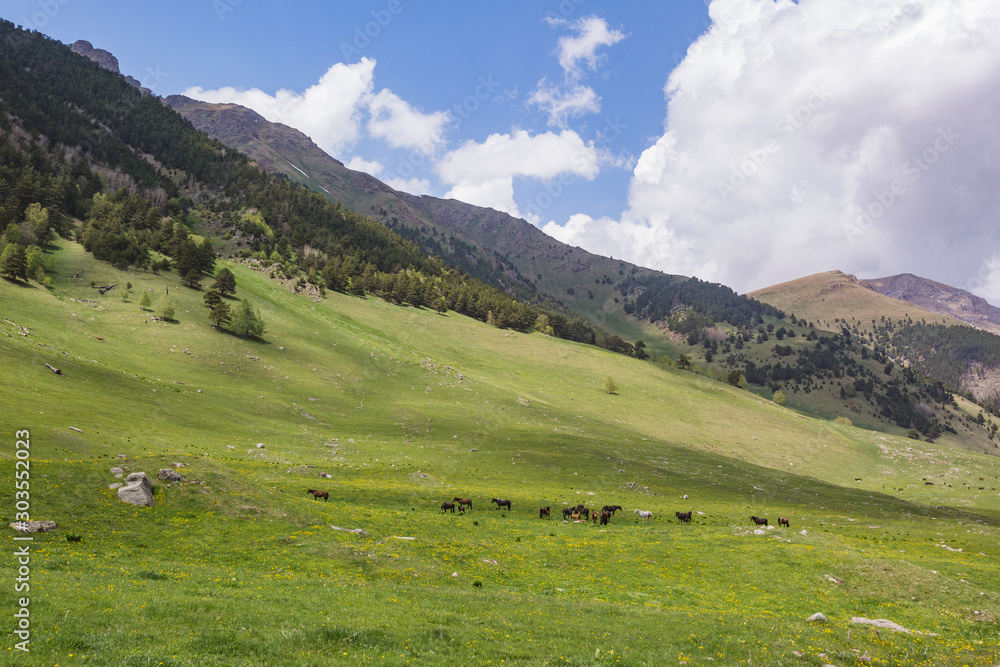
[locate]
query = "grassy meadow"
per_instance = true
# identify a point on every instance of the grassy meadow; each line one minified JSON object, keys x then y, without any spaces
{"x":405,"y":409}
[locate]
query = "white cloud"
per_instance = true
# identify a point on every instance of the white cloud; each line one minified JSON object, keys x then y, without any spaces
{"x":562,"y":105}
{"x":402,"y":126}
{"x":370,"y":167}
{"x":573,"y":99}
{"x":483,"y":173}
{"x":329,"y":112}
{"x":592,"y":33}
{"x":413,"y":186}
{"x":802,"y":137}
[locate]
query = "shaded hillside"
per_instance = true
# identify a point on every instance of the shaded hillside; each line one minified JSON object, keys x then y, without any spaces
{"x":939,"y":298}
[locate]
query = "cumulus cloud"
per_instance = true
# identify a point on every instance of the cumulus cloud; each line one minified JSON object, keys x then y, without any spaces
{"x":572,"y":99}
{"x":402,"y":126}
{"x":561,"y":104}
{"x":592,"y":32}
{"x":483,"y":173}
{"x":801,"y":137}
{"x":330,"y":112}
{"x":370,"y":167}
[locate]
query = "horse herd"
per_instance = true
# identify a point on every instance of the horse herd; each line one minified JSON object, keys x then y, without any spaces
{"x":576,"y":513}
{"x":581,"y":513}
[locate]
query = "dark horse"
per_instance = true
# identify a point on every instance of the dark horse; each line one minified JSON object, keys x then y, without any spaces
{"x":325,"y":495}
{"x":759,"y":521}
{"x":683,"y":517}
{"x":612,"y":509}
{"x":605,"y":517}
{"x":445,"y":506}
{"x":502,"y":503}
{"x":464,"y":502}
{"x":543,"y":513}
{"x":567,"y":511}
{"x":782,"y":521}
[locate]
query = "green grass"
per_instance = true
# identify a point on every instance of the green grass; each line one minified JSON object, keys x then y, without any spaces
{"x":404,"y":409}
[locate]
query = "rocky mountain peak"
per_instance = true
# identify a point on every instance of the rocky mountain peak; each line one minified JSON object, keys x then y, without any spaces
{"x":106,"y":60}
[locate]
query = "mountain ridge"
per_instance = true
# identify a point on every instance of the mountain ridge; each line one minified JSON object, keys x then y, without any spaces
{"x":940,"y":298}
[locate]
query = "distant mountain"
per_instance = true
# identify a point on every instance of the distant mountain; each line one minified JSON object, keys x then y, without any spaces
{"x":824,"y":298}
{"x":939,"y":298}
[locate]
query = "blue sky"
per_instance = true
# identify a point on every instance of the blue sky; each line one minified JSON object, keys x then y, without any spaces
{"x":744,"y":141}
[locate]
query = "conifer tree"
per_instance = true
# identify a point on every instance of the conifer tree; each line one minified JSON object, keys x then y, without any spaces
{"x":246,"y":321}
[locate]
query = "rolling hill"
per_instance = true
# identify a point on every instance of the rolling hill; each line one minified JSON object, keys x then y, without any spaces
{"x":394,"y":406}
{"x":939,"y":298}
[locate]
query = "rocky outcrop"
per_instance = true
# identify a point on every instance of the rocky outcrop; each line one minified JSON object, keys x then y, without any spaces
{"x":939,"y":298}
{"x":138,"y":490}
{"x":169,"y":475}
{"x":106,"y":60}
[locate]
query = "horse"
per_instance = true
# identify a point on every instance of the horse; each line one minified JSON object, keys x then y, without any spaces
{"x":325,"y":495}
{"x":605,"y":517}
{"x":758,"y":521}
{"x":445,"y":506}
{"x":566,"y":512}
{"x":683,"y":517}
{"x":464,"y":502}
{"x":503,"y":503}
{"x":543,"y":513}
{"x":612,"y":509}
{"x":593,"y":517}
{"x":782,"y":521}
{"x":643,"y":514}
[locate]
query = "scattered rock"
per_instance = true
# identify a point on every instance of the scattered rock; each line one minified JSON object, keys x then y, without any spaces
{"x":138,"y":490}
{"x":178,"y":465}
{"x":356,"y":531}
{"x":817,"y":618}
{"x":324,"y":474}
{"x":114,"y":486}
{"x":117,"y":471}
{"x":121,"y":456}
{"x":34,"y":526}
{"x":881,"y":623}
{"x":259,"y":445}
{"x":833,"y":579}
{"x":169,"y":475}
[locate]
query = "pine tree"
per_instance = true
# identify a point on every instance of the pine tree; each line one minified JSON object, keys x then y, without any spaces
{"x":779,"y":397}
{"x":167,"y":307}
{"x":14,"y":263}
{"x":220,"y":314}
{"x":145,"y":301}
{"x":246,"y":321}
{"x":225,"y":282}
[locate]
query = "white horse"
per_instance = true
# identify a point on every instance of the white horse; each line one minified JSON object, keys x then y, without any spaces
{"x":643,"y":514}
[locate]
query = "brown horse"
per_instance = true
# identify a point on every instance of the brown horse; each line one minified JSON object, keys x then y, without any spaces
{"x":759,"y":521}
{"x":325,"y":495}
{"x":782,"y":521}
{"x":605,"y":517}
{"x":683,"y":517}
{"x":448,"y":506}
{"x":463,"y":502}
{"x":543,"y":513}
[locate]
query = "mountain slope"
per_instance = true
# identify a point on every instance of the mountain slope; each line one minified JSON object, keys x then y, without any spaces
{"x":939,"y":298}
{"x":823,"y":298}
{"x":485,"y":242}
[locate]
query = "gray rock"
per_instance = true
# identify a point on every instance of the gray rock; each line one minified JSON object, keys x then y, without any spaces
{"x":141,"y":478}
{"x":881,"y":623}
{"x":136,"y":494}
{"x":34,"y":526}
{"x":138,"y":490}
{"x":169,"y":475}
{"x":817,"y":618}
{"x":114,"y":486}
{"x":117,"y":471}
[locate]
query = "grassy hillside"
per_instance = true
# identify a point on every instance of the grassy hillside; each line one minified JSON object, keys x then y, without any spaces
{"x":823,"y":297}
{"x":404,"y":409}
